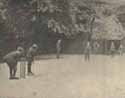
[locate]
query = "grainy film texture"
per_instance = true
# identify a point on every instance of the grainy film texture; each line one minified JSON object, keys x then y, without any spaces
{"x":62,"y":48}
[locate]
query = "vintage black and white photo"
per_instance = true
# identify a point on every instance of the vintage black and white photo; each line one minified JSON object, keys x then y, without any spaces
{"x":62,"y":48}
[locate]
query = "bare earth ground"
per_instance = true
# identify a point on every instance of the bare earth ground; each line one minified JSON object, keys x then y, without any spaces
{"x":69,"y":77}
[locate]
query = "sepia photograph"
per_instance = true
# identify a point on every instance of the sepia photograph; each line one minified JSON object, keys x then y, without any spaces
{"x":62,"y":48}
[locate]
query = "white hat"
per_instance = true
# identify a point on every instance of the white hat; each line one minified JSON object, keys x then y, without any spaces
{"x":34,"y":46}
{"x":20,"y":49}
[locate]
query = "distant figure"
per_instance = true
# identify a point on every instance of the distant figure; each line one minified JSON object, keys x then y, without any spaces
{"x":58,"y":48}
{"x":30,"y":57}
{"x":87,"y":51}
{"x":12,"y":59}
{"x":1,"y":55}
{"x":96,"y":46}
{"x":112,"y":48}
{"x":121,"y":49}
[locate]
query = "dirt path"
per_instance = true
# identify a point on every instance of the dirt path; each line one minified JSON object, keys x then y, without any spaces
{"x":68,"y":77}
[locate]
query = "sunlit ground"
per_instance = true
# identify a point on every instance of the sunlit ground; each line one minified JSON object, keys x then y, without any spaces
{"x":69,"y":77}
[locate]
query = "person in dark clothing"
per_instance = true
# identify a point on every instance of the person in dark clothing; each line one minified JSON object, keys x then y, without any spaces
{"x":30,"y":57}
{"x":58,"y":48}
{"x":12,"y":59}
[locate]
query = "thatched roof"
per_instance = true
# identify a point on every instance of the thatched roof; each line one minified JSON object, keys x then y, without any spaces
{"x":108,"y":28}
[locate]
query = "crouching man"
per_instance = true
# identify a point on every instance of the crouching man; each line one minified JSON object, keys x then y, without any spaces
{"x":30,"y":57}
{"x":12,"y":59}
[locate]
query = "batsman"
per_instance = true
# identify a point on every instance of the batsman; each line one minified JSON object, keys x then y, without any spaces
{"x":30,"y":57}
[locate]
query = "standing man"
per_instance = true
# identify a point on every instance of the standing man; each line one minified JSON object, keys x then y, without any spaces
{"x":58,"y":48}
{"x":87,"y":51}
{"x":12,"y":59}
{"x":96,"y":47}
{"x":112,"y":49}
{"x":120,"y":49}
{"x":30,"y":57}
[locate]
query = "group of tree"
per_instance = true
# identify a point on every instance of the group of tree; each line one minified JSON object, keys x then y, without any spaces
{"x":59,"y":17}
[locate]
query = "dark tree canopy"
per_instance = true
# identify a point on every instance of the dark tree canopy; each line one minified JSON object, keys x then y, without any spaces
{"x":24,"y":22}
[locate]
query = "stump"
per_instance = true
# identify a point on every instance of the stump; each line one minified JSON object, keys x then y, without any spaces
{"x":23,"y":68}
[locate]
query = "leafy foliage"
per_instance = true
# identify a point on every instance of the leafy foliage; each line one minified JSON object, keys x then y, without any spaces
{"x":22,"y":19}
{"x":69,"y":18}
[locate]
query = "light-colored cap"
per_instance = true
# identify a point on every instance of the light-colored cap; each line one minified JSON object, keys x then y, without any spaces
{"x":34,"y":46}
{"x":20,"y":49}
